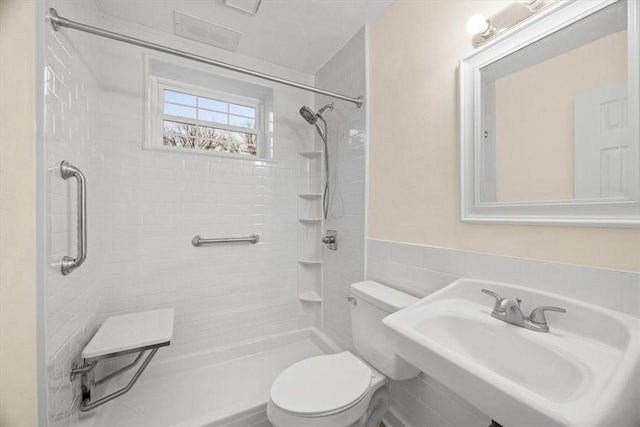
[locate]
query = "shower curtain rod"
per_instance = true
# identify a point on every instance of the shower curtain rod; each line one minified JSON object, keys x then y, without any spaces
{"x":58,"y":21}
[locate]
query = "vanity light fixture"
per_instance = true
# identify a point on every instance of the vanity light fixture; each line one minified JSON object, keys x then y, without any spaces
{"x":485,"y":29}
{"x":480,"y":25}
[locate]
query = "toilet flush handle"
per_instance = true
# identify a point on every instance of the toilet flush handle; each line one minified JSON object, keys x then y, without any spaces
{"x":352,"y":300}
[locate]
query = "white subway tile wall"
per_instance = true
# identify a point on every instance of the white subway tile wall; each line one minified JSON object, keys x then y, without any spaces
{"x":344,"y":73}
{"x":421,"y":270}
{"x":71,"y":302}
{"x":157,"y":201}
{"x":145,"y":206}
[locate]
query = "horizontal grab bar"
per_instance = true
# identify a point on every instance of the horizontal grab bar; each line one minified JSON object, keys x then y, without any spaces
{"x":199,"y":241}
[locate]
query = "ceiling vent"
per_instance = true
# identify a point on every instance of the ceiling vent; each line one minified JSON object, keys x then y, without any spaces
{"x":248,"y":6}
{"x":205,"y":32}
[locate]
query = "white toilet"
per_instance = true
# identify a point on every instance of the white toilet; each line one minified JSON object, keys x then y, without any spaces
{"x":346,"y":389}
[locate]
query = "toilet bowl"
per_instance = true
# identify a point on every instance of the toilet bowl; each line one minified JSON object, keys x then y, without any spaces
{"x":330,"y":391}
{"x":346,"y":389}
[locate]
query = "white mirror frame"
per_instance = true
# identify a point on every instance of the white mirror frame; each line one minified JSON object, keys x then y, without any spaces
{"x":619,"y":212}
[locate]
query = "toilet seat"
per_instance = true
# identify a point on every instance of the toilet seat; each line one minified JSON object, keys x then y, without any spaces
{"x":321,"y":385}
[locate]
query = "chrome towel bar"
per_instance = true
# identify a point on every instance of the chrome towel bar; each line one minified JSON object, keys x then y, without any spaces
{"x":199,"y":241}
{"x":68,"y":264}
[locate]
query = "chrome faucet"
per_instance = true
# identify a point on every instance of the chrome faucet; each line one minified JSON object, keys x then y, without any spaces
{"x":509,"y":311}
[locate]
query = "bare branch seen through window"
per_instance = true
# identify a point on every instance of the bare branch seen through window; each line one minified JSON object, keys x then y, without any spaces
{"x":185,"y":135}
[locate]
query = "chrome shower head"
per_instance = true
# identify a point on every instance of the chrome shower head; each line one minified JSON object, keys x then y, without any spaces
{"x":311,"y":117}
{"x":308,"y":114}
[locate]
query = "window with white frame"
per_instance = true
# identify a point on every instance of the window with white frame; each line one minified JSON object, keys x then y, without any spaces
{"x":191,"y":118}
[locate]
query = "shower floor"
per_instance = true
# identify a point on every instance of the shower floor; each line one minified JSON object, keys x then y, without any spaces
{"x":228,"y":388}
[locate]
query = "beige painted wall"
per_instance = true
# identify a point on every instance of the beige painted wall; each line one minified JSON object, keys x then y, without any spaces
{"x":535,"y":118}
{"x":18,"y":384}
{"x":414,"y":183}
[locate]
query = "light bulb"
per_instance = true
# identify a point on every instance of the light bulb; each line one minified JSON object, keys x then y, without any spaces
{"x":477,"y":24}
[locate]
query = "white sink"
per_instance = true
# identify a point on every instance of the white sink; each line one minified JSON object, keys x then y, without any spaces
{"x":584,"y":372}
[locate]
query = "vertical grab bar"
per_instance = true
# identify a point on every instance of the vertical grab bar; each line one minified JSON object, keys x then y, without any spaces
{"x":69,"y":264}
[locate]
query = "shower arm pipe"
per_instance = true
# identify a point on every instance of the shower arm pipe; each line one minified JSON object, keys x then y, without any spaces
{"x":58,"y":21}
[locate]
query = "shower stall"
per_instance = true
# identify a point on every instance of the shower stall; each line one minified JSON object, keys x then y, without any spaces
{"x":243,"y":312}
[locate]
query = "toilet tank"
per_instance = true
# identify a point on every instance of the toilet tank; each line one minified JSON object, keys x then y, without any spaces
{"x":372,"y":339}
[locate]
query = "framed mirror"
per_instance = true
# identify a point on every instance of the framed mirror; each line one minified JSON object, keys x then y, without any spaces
{"x":549,"y":119}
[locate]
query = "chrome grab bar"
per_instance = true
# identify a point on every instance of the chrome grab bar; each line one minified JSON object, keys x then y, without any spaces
{"x":68,"y":264}
{"x":199,"y":241}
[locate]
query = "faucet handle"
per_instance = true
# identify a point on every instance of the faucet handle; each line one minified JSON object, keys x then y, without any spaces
{"x":537,"y":315}
{"x":496,"y":296}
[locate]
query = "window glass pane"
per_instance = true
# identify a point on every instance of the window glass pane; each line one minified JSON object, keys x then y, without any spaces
{"x":206,"y":138}
{"x":217,"y":140}
{"x":179,"y":134}
{"x":179,"y":98}
{"x":212,"y":104}
{"x":212,"y":116}
{"x":179,"y":110}
{"x":242,"y":122}
{"x":241,"y":110}
{"x":244,"y":143}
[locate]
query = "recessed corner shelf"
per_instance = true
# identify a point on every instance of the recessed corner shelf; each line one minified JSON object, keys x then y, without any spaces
{"x":310,"y":296}
{"x":310,"y":195}
{"x":310,"y":261}
{"x":311,"y":154}
{"x":310,"y":220}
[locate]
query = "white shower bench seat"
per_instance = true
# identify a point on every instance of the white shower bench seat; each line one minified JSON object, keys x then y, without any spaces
{"x":129,"y":333}
{"x":140,"y":333}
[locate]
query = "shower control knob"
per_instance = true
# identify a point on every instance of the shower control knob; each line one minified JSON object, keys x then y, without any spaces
{"x":331,"y":240}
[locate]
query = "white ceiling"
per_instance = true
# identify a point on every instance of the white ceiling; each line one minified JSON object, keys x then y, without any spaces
{"x":298,"y":34}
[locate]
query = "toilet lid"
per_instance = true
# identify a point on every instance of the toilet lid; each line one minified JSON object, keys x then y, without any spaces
{"x":321,"y":384}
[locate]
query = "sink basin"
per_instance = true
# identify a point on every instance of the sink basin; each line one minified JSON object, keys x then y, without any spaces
{"x":584,"y":372}
{"x":548,"y":372}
